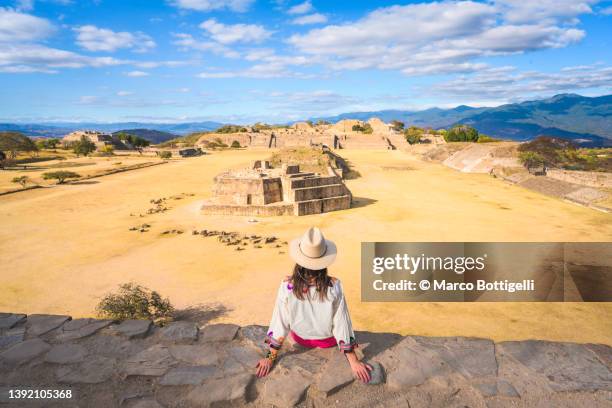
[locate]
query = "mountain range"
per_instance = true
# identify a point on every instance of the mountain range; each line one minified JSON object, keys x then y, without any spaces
{"x":585,"y":120}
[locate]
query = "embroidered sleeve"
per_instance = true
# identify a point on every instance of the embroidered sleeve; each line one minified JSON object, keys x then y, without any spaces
{"x":279,"y":325}
{"x":342,"y":326}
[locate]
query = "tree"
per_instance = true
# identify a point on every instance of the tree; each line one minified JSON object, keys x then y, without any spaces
{"x":135,"y":141}
{"x":23,"y":180}
{"x":550,"y":149}
{"x":531,"y":159}
{"x":15,"y":142}
{"x":235,"y":144}
{"x":365,"y":128}
{"x":60,"y":176}
{"x":413,"y":134}
{"x":52,"y":143}
{"x":133,"y":301}
{"x":165,"y":154}
{"x":322,"y":122}
{"x":397,"y":125}
{"x":108,"y":150}
{"x":461,"y":133}
{"x":84,"y":147}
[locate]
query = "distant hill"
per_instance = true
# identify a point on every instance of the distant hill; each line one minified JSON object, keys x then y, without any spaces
{"x":153,"y":136}
{"x":588,"y":121}
{"x":59,"y":129}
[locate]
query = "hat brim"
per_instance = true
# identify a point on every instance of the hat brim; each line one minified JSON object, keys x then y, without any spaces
{"x":314,"y":264}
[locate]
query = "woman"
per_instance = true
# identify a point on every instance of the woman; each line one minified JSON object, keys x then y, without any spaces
{"x":310,"y":306}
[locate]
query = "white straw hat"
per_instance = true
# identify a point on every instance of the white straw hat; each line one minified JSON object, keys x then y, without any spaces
{"x":312,"y":250}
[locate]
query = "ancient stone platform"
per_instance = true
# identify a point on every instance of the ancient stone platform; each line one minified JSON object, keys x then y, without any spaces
{"x":136,"y":364}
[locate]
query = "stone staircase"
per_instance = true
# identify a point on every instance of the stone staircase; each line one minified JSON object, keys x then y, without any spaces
{"x":398,"y":141}
{"x":316,"y":195}
{"x":373,"y":142}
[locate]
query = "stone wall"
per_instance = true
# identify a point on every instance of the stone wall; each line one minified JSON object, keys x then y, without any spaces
{"x":585,"y":178}
{"x":135,"y":364}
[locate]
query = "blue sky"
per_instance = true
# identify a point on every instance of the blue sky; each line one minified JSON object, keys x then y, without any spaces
{"x":282,"y":60}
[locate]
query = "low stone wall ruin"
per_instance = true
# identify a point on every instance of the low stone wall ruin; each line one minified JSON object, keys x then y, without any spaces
{"x":586,"y":178}
{"x":135,"y":364}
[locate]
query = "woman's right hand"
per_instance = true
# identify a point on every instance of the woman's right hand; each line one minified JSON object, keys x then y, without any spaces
{"x":263,"y":367}
{"x":361,"y":370}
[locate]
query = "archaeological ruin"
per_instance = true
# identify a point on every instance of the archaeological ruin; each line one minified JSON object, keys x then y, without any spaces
{"x":265,"y":191}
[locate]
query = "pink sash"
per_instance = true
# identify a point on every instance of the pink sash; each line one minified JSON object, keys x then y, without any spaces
{"x":320,"y":343}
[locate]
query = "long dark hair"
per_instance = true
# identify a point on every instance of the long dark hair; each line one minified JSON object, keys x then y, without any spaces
{"x":302,"y":277}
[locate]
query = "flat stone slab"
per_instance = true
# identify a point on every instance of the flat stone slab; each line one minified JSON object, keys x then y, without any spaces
{"x":25,"y":351}
{"x":567,"y":366}
{"x":154,"y":361}
{"x":219,"y":332}
{"x":66,"y":354}
{"x":12,"y":336}
{"x":134,"y":328}
{"x":9,"y":320}
{"x":336,"y":374}
{"x":241,"y":359}
{"x":377,"y":374}
{"x":222,"y":391}
{"x":496,"y":387}
{"x":180,"y":332}
{"x":189,"y":375}
{"x":146,"y":403}
{"x":195,"y":354}
{"x":285,"y":388}
{"x":39,"y":324}
{"x":93,"y":370}
{"x":79,"y":328}
{"x":255,"y":335}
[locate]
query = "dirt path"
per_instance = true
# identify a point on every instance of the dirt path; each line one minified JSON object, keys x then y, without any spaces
{"x":63,"y":248}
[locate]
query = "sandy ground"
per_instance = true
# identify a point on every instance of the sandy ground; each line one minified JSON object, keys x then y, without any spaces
{"x":64,"y":247}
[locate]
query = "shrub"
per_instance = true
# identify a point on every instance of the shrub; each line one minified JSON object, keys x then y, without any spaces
{"x":235,"y":144}
{"x":133,"y":301}
{"x":397,"y":125}
{"x":23,"y":180}
{"x":15,"y":142}
{"x":365,"y":128}
{"x":231,"y":129}
{"x":107,"y":150}
{"x":60,"y":176}
{"x":83,"y":146}
{"x":461,"y":133}
{"x":413,"y":134}
{"x":165,"y":154}
{"x":486,"y":139}
{"x":531,"y":159}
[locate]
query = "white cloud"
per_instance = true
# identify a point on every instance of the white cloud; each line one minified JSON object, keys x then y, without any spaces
{"x":301,"y":8}
{"x":543,"y":11}
{"x":508,"y":83}
{"x":440,"y":37}
{"x":137,"y":74}
{"x":606,"y":11}
{"x":39,"y":58}
{"x":187,"y":42}
{"x":235,"y":33}
{"x":93,"y":38}
{"x":124,"y":93}
{"x":262,"y":71}
{"x":210,"y":5}
{"x":315,"y":18}
{"x":20,"y":27}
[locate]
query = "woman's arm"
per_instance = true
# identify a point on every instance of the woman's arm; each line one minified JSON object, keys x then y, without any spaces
{"x":277,"y":331}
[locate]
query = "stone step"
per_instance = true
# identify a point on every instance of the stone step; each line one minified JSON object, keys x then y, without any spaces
{"x":322,"y":205}
{"x":318,"y":192}
{"x":314,"y":182}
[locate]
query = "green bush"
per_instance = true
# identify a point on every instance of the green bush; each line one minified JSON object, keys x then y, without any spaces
{"x":60,"y":176}
{"x":133,"y":301}
{"x":235,"y":144}
{"x":15,"y":142}
{"x":22,"y":180}
{"x":531,"y":159}
{"x":365,"y":128}
{"x":461,"y":133}
{"x":84,"y":147}
{"x":397,"y":125}
{"x":486,"y":139}
{"x":165,"y":154}
{"x":231,"y":129}
{"x":413,"y":134}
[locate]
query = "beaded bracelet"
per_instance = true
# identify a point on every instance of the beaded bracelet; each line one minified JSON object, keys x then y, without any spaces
{"x":271,"y":356}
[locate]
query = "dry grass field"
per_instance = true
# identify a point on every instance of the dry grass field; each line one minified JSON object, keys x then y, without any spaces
{"x":63,"y":248}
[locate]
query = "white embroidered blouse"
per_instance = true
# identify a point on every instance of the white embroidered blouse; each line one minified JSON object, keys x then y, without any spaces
{"x":312,"y":318}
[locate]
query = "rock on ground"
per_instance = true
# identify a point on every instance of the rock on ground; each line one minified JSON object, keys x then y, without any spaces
{"x":39,"y":324}
{"x":180,"y":332}
{"x":134,"y":328}
{"x":219,"y":332}
{"x":285,"y":389}
{"x":9,"y":320}
{"x":227,"y":391}
{"x":93,"y":370}
{"x":25,"y":351}
{"x":188,"y":375}
{"x":66,"y":354}
{"x":154,"y":361}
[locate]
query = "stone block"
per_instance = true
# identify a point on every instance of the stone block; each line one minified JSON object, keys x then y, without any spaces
{"x":24,"y":351}
{"x":194,"y":375}
{"x":93,"y":370}
{"x":12,"y":336}
{"x":66,"y":354}
{"x":154,"y":361}
{"x":9,"y":320}
{"x":80,"y":328}
{"x":134,"y":328}
{"x":224,"y":391}
{"x":285,"y":388}
{"x":180,"y":332}
{"x":196,"y":354}
{"x":39,"y":324}
{"x":218,"y":332}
